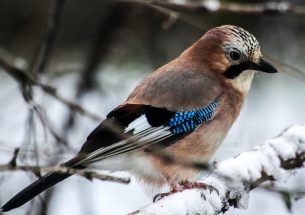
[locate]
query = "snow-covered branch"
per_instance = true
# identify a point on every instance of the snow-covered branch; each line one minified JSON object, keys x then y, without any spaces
{"x":234,"y":178}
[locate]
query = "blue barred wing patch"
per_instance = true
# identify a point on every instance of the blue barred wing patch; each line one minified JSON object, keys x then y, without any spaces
{"x":184,"y":122}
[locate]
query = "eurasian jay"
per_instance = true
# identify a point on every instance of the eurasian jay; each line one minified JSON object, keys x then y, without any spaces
{"x":185,"y":108}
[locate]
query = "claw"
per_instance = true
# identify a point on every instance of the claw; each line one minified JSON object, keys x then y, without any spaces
{"x":211,"y":189}
{"x":203,"y":196}
{"x":160,"y":196}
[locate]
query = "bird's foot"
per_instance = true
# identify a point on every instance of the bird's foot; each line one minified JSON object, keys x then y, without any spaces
{"x":185,"y":185}
{"x":199,"y":185}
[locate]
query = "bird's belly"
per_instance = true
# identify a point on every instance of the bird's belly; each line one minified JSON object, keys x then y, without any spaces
{"x":136,"y":163}
{"x":199,"y":146}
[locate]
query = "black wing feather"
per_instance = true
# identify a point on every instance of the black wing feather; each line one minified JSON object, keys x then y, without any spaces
{"x":33,"y":190}
{"x":120,"y":118}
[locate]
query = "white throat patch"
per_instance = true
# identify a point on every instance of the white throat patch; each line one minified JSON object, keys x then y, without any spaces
{"x":243,"y":82}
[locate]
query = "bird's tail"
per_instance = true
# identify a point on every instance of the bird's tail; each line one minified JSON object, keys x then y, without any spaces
{"x":33,"y":190}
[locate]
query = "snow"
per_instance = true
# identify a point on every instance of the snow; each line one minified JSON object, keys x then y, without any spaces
{"x":249,"y":165}
{"x":197,"y":201}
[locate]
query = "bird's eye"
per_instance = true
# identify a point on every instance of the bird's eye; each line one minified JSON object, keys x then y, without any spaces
{"x":234,"y":55}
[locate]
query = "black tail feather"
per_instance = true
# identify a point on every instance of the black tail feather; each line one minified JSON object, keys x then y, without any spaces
{"x":33,"y":190}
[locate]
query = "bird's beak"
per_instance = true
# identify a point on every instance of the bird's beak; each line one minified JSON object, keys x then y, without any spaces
{"x":264,"y":66}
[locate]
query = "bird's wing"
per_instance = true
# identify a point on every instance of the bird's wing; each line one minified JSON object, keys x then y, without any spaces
{"x":167,"y":105}
{"x":131,"y":127}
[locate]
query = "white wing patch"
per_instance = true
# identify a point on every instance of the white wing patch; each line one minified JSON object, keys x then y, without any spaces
{"x":143,"y":135}
{"x":138,"y":125}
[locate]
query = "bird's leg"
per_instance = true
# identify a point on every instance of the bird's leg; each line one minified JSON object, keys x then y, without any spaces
{"x":185,"y":185}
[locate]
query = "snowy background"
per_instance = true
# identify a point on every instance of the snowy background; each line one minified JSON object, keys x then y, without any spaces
{"x":137,"y":46}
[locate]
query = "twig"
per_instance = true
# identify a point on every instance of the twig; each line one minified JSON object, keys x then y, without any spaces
{"x":188,"y":10}
{"x":100,"y":45}
{"x":288,"y":195}
{"x":172,"y":14}
{"x":268,"y":8}
{"x":17,"y":67}
{"x":44,"y":120}
{"x":99,"y":49}
{"x":64,"y":170}
{"x":13,"y":162}
{"x":47,"y":42}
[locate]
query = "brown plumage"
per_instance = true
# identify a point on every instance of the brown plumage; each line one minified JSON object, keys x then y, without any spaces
{"x":185,"y":107}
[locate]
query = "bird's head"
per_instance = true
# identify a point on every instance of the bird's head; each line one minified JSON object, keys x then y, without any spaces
{"x":233,"y":53}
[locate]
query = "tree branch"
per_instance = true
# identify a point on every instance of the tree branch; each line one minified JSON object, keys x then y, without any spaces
{"x":236,"y":177}
{"x":64,"y":170}
{"x":267,"y":8}
{"x":289,"y":196}
{"x":17,"y":68}
{"x":48,"y":39}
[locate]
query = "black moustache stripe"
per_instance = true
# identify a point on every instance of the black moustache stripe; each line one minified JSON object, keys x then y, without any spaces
{"x":235,"y":70}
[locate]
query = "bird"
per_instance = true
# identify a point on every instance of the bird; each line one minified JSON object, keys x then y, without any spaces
{"x":183,"y":109}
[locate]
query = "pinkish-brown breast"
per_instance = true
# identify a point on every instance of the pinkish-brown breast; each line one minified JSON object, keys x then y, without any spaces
{"x":201,"y":144}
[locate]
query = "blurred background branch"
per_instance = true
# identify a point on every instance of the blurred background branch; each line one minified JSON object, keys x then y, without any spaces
{"x":17,"y":68}
{"x":47,"y":42}
{"x":212,"y":6}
